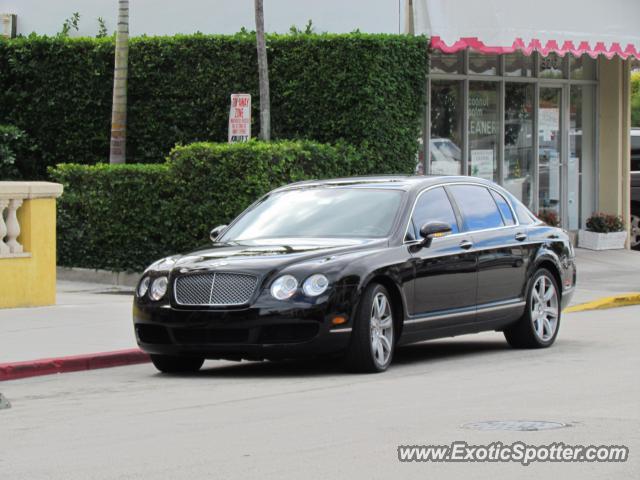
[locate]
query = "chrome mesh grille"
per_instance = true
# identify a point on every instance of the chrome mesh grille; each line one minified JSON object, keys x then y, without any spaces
{"x":216,"y":289}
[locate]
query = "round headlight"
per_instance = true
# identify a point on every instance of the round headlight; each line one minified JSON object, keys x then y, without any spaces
{"x":143,"y":287}
{"x":284,"y":287}
{"x":158,"y":288}
{"x":315,"y":285}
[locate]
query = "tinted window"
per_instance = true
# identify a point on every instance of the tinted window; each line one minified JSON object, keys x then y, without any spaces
{"x":503,"y":206}
{"x":433,"y":205}
{"x":318,"y":212}
{"x":477,"y":207}
{"x":525,"y":217}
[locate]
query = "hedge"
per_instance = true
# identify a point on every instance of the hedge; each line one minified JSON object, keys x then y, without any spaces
{"x":367,"y":90}
{"x":123,"y":217}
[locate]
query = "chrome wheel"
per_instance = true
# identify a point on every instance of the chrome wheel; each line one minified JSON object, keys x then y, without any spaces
{"x":635,"y":231}
{"x":381,"y":329}
{"x":544,"y":308}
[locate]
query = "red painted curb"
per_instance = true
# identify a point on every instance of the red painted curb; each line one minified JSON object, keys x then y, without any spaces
{"x":74,"y":363}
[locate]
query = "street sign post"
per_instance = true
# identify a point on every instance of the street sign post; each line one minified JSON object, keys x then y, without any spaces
{"x":240,"y":118}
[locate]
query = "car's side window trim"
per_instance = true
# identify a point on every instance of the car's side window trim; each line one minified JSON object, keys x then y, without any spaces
{"x":416,"y":228}
{"x":455,"y":208}
{"x":504,"y":219}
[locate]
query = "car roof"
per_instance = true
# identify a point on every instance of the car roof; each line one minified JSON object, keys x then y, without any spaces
{"x":392,"y":182}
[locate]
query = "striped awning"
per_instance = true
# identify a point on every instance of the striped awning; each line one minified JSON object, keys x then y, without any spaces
{"x":576,"y":27}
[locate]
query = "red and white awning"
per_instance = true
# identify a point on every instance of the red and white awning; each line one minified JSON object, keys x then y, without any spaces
{"x":592,"y":27}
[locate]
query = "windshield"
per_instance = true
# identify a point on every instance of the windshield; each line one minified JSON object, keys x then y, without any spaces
{"x":319,"y":212}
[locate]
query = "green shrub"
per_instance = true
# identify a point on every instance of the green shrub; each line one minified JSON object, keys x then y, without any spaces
{"x":15,"y":148}
{"x":123,"y":217}
{"x":366,"y":90}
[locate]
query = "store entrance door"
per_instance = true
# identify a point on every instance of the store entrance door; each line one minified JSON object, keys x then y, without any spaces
{"x":552,"y":176}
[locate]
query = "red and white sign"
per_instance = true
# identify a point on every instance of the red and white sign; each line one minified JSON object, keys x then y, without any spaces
{"x":240,"y":118}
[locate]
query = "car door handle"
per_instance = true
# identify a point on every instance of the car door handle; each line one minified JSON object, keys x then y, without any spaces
{"x":520,"y":236}
{"x":466,"y":244}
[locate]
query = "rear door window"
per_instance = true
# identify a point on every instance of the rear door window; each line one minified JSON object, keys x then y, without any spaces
{"x":478,"y":209}
{"x":503,"y":206}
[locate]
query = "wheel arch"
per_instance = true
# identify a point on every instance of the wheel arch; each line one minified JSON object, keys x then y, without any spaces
{"x":550,"y":265}
{"x":397,"y":300}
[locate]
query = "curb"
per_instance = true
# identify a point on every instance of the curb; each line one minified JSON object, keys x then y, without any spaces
{"x":607,"y":302}
{"x":74,"y":363}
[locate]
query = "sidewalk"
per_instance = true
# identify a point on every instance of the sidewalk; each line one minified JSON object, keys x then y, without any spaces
{"x":606,"y":273}
{"x":88,"y":317}
{"x":91,"y":317}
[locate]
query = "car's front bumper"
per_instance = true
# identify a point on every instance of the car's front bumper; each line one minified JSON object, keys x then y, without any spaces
{"x":250,"y":333}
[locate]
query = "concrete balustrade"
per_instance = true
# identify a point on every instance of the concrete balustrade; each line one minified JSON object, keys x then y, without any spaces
{"x":28,"y":243}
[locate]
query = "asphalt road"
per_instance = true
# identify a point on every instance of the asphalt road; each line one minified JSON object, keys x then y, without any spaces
{"x":309,"y":420}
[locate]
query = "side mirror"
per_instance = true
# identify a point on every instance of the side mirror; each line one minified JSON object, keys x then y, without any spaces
{"x":215,"y":233}
{"x":432,"y":230}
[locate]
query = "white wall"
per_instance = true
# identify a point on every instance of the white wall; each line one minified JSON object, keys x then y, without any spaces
{"x":166,"y":17}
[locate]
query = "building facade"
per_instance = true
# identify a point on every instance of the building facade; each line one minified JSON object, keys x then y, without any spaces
{"x":535,"y":102}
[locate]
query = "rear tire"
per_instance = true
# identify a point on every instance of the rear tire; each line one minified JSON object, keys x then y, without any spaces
{"x":539,"y":325}
{"x":172,"y":364}
{"x":373,"y":336}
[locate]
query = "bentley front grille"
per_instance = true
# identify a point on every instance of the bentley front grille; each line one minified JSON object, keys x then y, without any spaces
{"x":215,"y":289}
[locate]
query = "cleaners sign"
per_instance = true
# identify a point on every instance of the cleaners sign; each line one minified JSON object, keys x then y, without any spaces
{"x":240,"y":118}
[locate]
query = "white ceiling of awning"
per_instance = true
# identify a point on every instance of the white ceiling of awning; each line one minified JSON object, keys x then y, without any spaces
{"x":564,"y":26}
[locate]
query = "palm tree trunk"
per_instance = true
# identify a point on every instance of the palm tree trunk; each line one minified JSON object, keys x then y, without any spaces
{"x":118,"y":150}
{"x":263,"y":74}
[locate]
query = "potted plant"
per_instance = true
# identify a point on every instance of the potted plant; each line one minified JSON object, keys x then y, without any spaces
{"x":550,"y":217}
{"x":604,"y":232}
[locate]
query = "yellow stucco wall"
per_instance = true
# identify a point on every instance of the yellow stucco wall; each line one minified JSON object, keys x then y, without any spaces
{"x":614,"y":123}
{"x":31,"y":281}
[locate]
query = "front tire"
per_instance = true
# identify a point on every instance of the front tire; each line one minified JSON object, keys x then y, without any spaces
{"x":373,"y":336}
{"x":172,"y":364}
{"x":538,"y":326}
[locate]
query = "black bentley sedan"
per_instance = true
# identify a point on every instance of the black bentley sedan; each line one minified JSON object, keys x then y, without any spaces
{"x":356,"y":267}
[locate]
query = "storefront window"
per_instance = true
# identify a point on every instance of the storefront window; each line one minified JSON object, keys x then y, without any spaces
{"x":518,"y":140}
{"x":445,"y":143}
{"x":518,"y":65}
{"x":549,"y":144}
{"x":446,"y":62}
{"x":581,"y":162}
{"x":525,"y":122}
{"x":481,"y":64}
{"x":552,"y":66}
{"x":483,"y":129}
{"x":583,"y":68}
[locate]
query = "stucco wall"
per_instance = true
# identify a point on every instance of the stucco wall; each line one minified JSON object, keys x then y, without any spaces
{"x":167,"y":17}
{"x":614,"y":122}
{"x":30,"y":281}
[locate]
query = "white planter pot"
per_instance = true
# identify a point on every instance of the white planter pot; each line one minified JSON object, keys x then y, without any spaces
{"x":601,"y":241}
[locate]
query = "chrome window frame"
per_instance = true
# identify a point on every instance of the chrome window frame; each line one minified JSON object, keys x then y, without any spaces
{"x":467,"y":232}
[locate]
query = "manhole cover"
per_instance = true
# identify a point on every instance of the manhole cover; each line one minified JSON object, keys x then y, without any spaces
{"x":514,"y":425}
{"x":4,"y":403}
